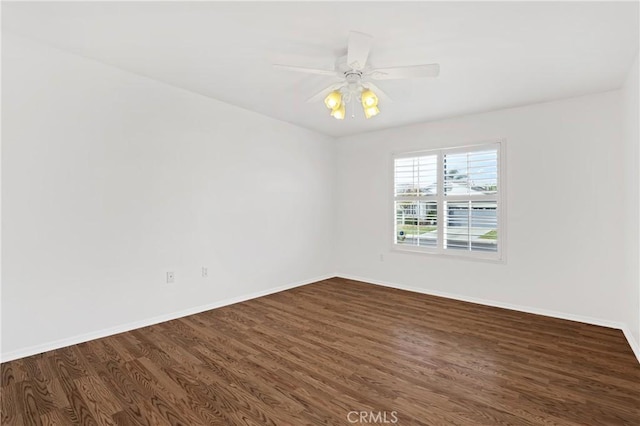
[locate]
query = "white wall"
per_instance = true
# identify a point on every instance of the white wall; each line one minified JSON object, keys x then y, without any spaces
{"x":564,"y":197}
{"x":632,"y":186}
{"x":110,"y":179}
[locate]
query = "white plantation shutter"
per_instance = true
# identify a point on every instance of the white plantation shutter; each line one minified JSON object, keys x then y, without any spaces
{"x":448,"y":201}
{"x":415,"y":189}
{"x":416,"y":175}
{"x":471,"y":173}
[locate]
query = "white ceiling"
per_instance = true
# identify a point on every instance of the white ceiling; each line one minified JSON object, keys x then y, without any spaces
{"x":492,"y":55}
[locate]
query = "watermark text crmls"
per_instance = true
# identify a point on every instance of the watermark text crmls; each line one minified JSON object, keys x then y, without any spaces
{"x":372,"y":417}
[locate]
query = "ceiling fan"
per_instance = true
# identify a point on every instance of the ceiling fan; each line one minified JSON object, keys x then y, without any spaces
{"x":355,"y":77}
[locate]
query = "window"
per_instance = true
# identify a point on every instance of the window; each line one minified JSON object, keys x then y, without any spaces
{"x":448,"y":201}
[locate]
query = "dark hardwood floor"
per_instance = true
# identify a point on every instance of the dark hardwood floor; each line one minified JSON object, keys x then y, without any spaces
{"x":324,"y":353}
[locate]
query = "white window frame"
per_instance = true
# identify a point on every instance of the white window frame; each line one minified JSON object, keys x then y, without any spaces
{"x":440,"y":198}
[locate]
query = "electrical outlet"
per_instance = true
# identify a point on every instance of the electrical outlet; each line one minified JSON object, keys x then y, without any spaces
{"x":171,"y":277}
{"x":205,"y":272}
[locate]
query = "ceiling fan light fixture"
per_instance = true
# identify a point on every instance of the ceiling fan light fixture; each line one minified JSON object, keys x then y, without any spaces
{"x":339,"y":112}
{"x":369,"y":99}
{"x":371,"y":111}
{"x":333,"y":100}
{"x":355,"y":75}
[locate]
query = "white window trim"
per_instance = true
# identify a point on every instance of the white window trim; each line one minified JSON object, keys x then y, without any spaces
{"x":495,"y":257}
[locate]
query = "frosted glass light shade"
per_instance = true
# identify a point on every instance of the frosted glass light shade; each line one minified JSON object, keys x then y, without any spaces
{"x":369,"y":99}
{"x":333,"y":100}
{"x":371,"y":111}
{"x":339,"y":112}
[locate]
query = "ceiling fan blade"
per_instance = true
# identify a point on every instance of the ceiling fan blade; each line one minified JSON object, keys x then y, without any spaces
{"x":414,"y":71}
{"x":358,"y":50}
{"x":324,"y":92}
{"x":378,"y":91}
{"x":304,"y":69}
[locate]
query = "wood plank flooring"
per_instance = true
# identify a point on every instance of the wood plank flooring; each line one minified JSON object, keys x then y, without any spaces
{"x":314,"y":354}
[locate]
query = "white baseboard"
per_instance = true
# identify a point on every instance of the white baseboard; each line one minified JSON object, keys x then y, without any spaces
{"x":57,"y":344}
{"x":635,"y":347}
{"x":520,"y":308}
{"x":33,"y":350}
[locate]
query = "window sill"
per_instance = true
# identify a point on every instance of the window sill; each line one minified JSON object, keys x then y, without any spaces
{"x":498,"y":258}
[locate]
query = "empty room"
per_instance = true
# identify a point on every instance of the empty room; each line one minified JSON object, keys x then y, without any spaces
{"x":320,"y":213}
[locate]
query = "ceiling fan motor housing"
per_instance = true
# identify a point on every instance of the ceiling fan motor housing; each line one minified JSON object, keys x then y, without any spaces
{"x":353,"y":76}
